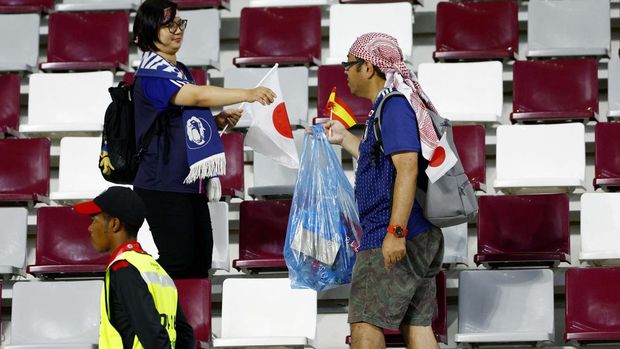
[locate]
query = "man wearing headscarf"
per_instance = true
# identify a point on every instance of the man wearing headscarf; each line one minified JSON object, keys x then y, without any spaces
{"x":401,"y":252}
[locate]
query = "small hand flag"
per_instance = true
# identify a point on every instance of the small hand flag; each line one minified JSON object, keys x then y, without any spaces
{"x":338,"y":110}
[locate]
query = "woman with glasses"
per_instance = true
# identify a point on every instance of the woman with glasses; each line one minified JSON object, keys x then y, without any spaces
{"x":183,"y":154}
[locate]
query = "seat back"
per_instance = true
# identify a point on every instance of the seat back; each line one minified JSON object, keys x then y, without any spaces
{"x":262,"y":228}
{"x":14,"y":222}
{"x":20,"y":35}
{"x":568,"y":28}
{"x":261,"y":3}
{"x":606,"y":149}
{"x":191,"y":4}
{"x":195,"y":299}
{"x":334,"y":76}
{"x":27,"y":169}
{"x":97,"y":5}
{"x":470,"y":146}
{"x":221,"y":243}
{"x":555,"y":89}
{"x":25,"y":6}
{"x":87,"y":40}
{"x":600,"y":230}
{"x":233,"y":184}
{"x":262,"y":39}
{"x":470,"y":92}
{"x":9,"y":108}
{"x":553,"y":156}
{"x":348,"y":21}
{"x":245,"y":302}
{"x":201,"y":39}
{"x":59,"y":312}
{"x":477,"y":30}
{"x":613,"y":87}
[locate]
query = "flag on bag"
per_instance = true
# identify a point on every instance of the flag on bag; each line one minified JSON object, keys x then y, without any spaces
{"x":339,"y":111}
{"x":270,"y":131}
{"x":442,"y":160}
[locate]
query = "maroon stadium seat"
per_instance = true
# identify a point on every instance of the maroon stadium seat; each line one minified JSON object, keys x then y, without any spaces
{"x":523,"y":230}
{"x":9,"y":103}
{"x":470,"y":145}
{"x":592,"y":305}
{"x":63,"y":246}
{"x":194,"y":4}
{"x":195,"y":300}
{"x":26,"y":169}
{"x":284,"y":35}
{"x":476,"y":30}
{"x":87,"y":41}
{"x":606,"y":159}
{"x":233,"y":181}
{"x":262,"y":232}
{"x":333,"y":76}
{"x":25,"y":6}
{"x":555,"y":90}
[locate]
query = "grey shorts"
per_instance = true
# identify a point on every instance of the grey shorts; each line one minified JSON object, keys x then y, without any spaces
{"x":404,"y":294}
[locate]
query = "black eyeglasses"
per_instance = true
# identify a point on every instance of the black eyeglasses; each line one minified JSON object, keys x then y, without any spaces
{"x":346,"y":64}
{"x":174,"y":25}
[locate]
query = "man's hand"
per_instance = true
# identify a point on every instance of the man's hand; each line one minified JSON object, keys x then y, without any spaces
{"x":261,"y":94}
{"x":228,"y":117}
{"x":393,"y":250}
{"x":335,"y":131}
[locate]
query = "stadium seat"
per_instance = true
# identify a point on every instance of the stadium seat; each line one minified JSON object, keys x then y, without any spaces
{"x":419,"y":2}
{"x":592,"y":305}
{"x":395,"y":19}
{"x":25,"y":6}
{"x":464,"y":92}
{"x":555,"y":90}
{"x":560,"y":28}
{"x":9,"y":108}
{"x":145,"y":238}
{"x":79,"y":177}
{"x":20,"y":35}
{"x":506,"y":306}
{"x":293,"y":83}
{"x":553,"y":158}
{"x":263,"y":3}
{"x":613,"y":87}
{"x":195,"y":300}
{"x":98,"y":5}
{"x":600,"y":230}
{"x":284,"y":35}
{"x":14,"y":222}
{"x":455,"y":245}
{"x":55,"y":314}
{"x":63,"y":245}
{"x":468,"y":30}
{"x":193,"y":4}
{"x":219,"y":222}
{"x":606,"y":160}
{"x":470,"y":146}
{"x":87,"y":41}
{"x":523,"y":230}
{"x":266,"y":312}
{"x":334,"y":76}
{"x":233,"y":183}
{"x":67,"y":102}
{"x":262,"y":231}
{"x":201,"y":39}
{"x":26,"y":174}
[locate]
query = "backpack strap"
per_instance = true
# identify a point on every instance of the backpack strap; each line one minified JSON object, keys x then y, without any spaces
{"x":376,"y":125}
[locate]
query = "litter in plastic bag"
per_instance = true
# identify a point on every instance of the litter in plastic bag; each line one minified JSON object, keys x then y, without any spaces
{"x":323,"y":231}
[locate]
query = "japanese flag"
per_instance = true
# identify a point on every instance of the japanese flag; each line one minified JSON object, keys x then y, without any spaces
{"x":270,"y":131}
{"x":442,"y":160}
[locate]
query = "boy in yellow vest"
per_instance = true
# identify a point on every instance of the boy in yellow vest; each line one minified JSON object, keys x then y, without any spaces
{"x":139,"y":303}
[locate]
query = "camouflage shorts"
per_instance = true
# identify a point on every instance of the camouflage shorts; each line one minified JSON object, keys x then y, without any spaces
{"x":404,"y":294}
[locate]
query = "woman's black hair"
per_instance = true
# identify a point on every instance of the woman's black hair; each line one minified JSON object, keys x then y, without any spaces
{"x":151,"y":15}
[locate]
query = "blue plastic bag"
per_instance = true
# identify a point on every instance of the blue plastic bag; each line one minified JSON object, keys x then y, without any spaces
{"x":323,"y":231}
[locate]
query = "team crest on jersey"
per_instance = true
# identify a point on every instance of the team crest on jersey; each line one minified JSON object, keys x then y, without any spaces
{"x":198,"y":132}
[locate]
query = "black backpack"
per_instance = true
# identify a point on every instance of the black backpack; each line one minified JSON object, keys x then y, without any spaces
{"x":119,"y":136}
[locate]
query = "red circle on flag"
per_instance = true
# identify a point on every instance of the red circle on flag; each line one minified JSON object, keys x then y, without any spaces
{"x":438,"y":157}
{"x":280,"y":121}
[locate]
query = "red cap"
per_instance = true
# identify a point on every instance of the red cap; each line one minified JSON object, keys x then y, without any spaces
{"x":89,"y":208}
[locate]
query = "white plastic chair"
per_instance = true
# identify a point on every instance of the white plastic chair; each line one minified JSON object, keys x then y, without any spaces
{"x":265,"y":3}
{"x":613,"y":87}
{"x":568,"y":28}
{"x":79,"y":177}
{"x":600,"y":228}
{"x":201,"y":40}
{"x":19,"y":34}
{"x":348,"y":21}
{"x":540,"y":157}
{"x":97,"y":5}
{"x":14,"y":222}
{"x":506,"y":306}
{"x":470,"y":92}
{"x":266,"y":312}
{"x":455,"y":244}
{"x":67,"y":102}
{"x":219,"y":222}
{"x":55,"y":314}
{"x":145,"y":238}
{"x":293,"y":82}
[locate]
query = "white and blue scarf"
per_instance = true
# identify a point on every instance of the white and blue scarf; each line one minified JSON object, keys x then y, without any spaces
{"x":205,"y":150}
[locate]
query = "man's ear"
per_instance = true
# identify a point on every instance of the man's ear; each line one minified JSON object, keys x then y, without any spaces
{"x":115,"y":224}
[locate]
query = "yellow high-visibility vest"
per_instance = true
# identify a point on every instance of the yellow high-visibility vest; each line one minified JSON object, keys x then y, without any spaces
{"x":162,"y":290}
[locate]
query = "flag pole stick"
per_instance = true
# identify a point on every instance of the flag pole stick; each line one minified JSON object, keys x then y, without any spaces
{"x":331,"y":117}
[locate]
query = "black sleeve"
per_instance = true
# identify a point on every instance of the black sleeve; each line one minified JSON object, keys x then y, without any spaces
{"x":136,"y":300}
{"x":185,"y":332}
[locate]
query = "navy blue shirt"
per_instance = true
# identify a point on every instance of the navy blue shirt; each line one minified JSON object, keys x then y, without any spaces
{"x":374,"y":181}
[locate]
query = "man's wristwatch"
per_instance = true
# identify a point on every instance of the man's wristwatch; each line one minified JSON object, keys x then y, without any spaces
{"x":397,"y":230}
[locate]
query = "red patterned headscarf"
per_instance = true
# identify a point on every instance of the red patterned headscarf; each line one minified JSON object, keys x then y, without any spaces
{"x":382,"y":51}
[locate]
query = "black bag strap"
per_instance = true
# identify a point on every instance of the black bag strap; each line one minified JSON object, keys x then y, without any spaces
{"x":378,"y":146}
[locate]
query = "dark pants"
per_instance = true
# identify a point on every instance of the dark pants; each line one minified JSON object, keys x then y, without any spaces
{"x":181,"y":228}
